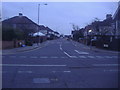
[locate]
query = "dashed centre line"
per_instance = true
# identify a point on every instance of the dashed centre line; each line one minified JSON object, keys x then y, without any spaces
{"x":64,"y":57}
{"x":106,"y":64}
{"x":43,"y":57}
{"x":62,"y":71}
{"x":54,"y":57}
{"x":25,"y":72}
{"x":99,"y":56}
{"x":30,"y":65}
{"x":69,"y":56}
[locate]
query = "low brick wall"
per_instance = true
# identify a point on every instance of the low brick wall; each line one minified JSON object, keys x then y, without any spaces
{"x":0,"y":45}
{"x":10,"y":44}
{"x":7,"y":44}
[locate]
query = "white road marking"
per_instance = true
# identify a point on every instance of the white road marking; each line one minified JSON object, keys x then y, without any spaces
{"x":62,"y":71}
{"x":74,"y":57}
{"x":25,"y":72}
{"x":91,"y":56}
{"x":69,"y":55}
{"x":43,"y":57}
{"x":81,"y":52}
{"x":53,"y":57}
{"x":82,"y":57}
{"x":30,"y":65}
{"x":67,"y":71}
{"x":41,"y":80}
{"x":99,"y":56}
{"x":61,"y":47}
{"x":106,"y":64}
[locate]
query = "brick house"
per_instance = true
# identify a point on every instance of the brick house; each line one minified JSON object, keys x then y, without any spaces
{"x":19,"y":23}
{"x":116,"y":18}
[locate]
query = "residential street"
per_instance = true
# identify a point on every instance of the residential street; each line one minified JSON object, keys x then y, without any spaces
{"x":60,"y":64}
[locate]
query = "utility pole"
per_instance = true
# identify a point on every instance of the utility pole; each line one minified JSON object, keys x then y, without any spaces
{"x":38,"y":21}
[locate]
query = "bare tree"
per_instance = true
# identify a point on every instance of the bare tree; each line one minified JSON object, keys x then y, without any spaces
{"x":75,"y":27}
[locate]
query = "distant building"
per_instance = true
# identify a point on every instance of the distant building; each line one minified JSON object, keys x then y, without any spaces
{"x":43,"y":29}
{"x":56,"y":34}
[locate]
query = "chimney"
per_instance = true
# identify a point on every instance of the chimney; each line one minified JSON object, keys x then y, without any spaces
{"x":20,"y":14}
{"x":108,"y":16}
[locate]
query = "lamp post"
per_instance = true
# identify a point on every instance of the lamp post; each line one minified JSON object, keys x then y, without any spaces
{"x":90,"y":31}
{"x":38,"y":19}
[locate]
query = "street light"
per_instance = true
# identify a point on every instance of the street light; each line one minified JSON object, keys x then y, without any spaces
{"x":90,"y":31}
{"x":38,"y":18}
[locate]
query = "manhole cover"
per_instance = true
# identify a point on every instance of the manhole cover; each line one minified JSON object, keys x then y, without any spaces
{"x":41,"y":80}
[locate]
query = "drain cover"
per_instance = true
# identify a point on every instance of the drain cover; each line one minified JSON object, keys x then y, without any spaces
{"x":41,"y":80}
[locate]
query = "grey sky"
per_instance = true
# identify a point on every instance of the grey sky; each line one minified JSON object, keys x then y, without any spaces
{"x":59,"y":15}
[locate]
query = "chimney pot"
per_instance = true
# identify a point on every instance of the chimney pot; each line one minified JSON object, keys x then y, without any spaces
{"x":20,"y":14}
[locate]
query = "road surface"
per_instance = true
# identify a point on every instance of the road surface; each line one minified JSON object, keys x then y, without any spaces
{"x":60,"y":64}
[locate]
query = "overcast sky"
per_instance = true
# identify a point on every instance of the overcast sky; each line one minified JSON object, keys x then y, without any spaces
{"x":59,"y":16}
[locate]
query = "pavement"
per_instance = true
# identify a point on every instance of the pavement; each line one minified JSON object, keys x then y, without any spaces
{"x":93,"y":48}
{"x":22,"y":49}
{"x":60,"y":64}
{"x":35,"y":46}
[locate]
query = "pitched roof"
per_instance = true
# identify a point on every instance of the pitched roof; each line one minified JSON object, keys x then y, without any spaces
{"x":47,"y":28}
{"x":117,"y":13}
{"x":19,"y":20}
{"x":106,"y":22}
{"x":41,"y":27}
{"x":56,"y":32}
{"x":24,"y":20}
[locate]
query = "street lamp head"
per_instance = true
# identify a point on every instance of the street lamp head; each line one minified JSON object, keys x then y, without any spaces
{"x":90,"y":31}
